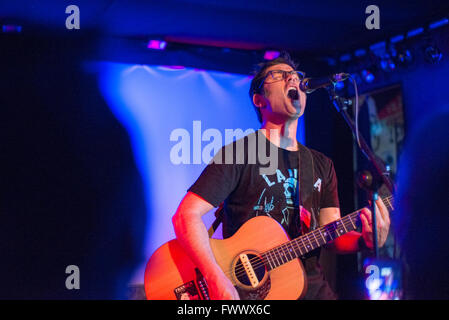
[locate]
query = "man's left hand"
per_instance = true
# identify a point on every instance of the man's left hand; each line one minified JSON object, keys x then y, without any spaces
{"x":382,"y":221}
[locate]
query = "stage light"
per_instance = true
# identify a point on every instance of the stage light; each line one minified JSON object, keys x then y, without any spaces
{"x":404,"y":57}
{"x":379,"y":46}
{"x":387,"y":63}
{"x":438,"y":23}
{"x":415,"y":32}
{"x":397,"y":38}
{"x":156,"y":44}
{"x":330,"y":61}
{"x":382,"y":54}
{"x":367,"y":76}
{"x":345,"y":57}
{"x":11,"y":28}
{"x":433,"y":54}
{"x":360,"y":53}
{"x":271,"y":55}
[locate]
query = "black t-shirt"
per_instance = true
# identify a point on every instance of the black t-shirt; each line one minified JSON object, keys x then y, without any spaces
{"x":247,"y":192}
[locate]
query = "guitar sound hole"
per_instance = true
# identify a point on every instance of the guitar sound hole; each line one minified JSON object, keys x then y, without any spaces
{"x":257,"y":265}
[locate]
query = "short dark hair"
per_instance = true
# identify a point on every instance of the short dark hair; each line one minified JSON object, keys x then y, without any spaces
{"x":259,"y":74}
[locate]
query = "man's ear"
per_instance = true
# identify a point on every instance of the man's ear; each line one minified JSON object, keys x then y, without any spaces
{"x":259,"y":100}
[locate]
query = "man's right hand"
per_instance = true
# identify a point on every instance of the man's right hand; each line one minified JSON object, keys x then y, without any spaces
{"x":221,"y":288}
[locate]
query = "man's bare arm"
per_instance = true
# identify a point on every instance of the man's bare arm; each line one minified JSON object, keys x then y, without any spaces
{"x":192,"y":234}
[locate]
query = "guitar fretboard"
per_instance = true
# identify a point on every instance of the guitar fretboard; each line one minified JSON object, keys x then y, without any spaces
{"x":388,"y":202}
{"x":298,"y":247}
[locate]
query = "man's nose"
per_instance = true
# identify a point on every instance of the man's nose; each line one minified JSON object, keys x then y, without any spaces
{"x":293,"y":78}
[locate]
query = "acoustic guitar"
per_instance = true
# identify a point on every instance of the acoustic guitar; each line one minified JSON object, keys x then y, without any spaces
{"x":259,"y":259}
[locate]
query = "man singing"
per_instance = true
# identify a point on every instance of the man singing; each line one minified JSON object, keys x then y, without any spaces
{"x":247,"y":192}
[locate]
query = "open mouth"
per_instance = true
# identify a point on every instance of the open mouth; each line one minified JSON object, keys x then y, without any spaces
{"x":292,"y":93}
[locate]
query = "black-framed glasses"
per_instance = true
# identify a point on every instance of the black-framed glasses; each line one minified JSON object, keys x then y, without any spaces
{"x":278,"y":75}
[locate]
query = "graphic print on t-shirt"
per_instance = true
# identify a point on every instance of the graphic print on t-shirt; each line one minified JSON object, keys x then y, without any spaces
{"x":287,"y":183}
{"x":266,"y":207}
{"x":283,"y":184}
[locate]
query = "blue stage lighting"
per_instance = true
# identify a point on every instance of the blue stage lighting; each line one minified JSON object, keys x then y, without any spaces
{"x":339,"y":85}
{"x":345,"y":57}
{"x":415,"y":32}
{"x":404,"y":57}
{"x":433,"y":54}
{"x":397,"y":38}
{"x":438,"y":23}
{"x":360,"y":53}
{"x":387,"y":64}
{"x":367,"y":76}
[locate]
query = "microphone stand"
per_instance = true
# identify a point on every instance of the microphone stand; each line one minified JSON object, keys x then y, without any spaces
{"x":341,"y":104}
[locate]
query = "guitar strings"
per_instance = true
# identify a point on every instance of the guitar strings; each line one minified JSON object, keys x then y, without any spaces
{"x":296,"y":245}
{"x":345,"y":221}
{"x":239,"y":271}
{"x":279,"y":254}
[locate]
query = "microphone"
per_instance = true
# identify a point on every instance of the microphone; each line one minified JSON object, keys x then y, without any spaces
{"x":309,"y":85}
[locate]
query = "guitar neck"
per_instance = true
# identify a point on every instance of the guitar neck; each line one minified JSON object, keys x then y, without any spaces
{"x":300,"y":246}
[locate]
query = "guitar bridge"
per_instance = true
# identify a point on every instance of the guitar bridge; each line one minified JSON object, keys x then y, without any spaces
{"x":202,"y":285}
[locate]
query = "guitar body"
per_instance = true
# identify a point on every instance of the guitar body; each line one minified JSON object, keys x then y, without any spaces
{"x":171,"y":275}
